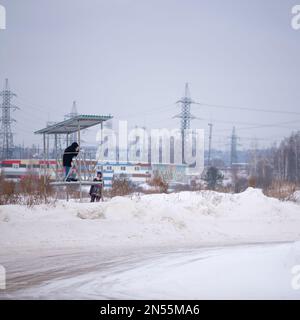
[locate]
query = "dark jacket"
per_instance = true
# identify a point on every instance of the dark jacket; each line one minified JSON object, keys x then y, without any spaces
{"x":96,"y":189}
{"x":69,"y":154}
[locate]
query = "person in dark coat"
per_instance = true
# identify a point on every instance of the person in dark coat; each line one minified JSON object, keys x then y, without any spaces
{"x":96,"y":190}
{"x":70,"y":153}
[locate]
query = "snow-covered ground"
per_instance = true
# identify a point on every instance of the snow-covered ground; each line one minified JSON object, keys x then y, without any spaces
{"x":242,"y":272}
{"x":153,"y":246}
{"x":185,"y":218}
{"x":296,"y":196}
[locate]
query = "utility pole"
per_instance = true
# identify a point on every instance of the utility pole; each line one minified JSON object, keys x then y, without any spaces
{"x":254,"y":157}
{"x":209,"y":143}
{"x":296,"y":158}
{"x":185,"y":115}
{"x":6,"y":135}
{"x":233,"y":153}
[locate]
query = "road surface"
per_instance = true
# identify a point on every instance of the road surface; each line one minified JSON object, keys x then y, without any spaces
{"x":254,"y":271}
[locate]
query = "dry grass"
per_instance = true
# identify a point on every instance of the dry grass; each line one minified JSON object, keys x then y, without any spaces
{"x":224,"y":189}
{"x":121,"y":186}
{"x":282,"y":190}
{"x":30,"y":190}
{"x":8,"y":192}
{"x":252,"y":182}
{"x":159,"y":183}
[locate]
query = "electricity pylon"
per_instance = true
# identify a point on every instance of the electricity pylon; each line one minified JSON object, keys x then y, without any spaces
{"x":6,"y":135}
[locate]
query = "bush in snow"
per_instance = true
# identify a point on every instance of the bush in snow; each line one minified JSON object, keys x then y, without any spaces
{"x":213,"y":177}
{"x":8,"y":193}
{"x":252,"y":182}
{"x":159,"y":183}
{"x":30,"y":190}
{"x":121,"y":186}
{"x":282,"y":190}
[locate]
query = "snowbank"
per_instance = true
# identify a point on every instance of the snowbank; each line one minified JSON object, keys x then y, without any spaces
{"x":296,"y":196}
{"x":193,"y":218}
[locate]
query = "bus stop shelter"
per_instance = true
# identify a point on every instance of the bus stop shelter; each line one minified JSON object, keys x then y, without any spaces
{"x":70,"y":126}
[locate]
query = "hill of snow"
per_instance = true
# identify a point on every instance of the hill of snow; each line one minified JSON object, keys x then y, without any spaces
{"x":186,"y":218}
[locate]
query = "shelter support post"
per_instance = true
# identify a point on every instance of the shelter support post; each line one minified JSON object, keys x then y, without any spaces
{"x":67,"y":140}
{"x":56,"y":157}
{"x":79,"y":162}
{"x":44,"y":148}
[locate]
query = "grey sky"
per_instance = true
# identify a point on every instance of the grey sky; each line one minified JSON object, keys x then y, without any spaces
{"x":132,"y":59}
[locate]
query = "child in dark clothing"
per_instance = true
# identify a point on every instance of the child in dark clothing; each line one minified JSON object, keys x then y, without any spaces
{"x":96,"y":190}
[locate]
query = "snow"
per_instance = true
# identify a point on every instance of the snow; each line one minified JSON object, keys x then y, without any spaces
{"x":187,"y":245}
{"x":232,"y":273}
{"x":146,"y":187}
{"x":185,"y":218}
{"x":242,"y":272}
{"x":296,"y":196}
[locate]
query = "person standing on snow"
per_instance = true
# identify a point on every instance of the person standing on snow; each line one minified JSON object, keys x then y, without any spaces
{"x":96,"y":190}
{"x":70,"y":153}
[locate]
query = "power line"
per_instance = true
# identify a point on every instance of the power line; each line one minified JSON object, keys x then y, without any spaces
{"x":275,"y":125}
{"x":251,"y":138}
{"x":248,"y":109}
{"x":149,"y":111}
{"x":32,"y":105}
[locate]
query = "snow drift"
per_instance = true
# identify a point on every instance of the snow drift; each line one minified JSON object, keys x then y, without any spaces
{"x":186,"y":218}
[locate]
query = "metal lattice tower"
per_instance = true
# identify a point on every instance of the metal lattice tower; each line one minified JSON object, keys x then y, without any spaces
{"x":6,"y":135}
{"x":185,"y":115}
{"x":233,"y":151}
{"x":73,"y":113}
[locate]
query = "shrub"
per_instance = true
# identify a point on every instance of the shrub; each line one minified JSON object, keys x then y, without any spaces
{"x":8,"y":194}
{"x":159,"y":183}
{"x":30,"y":190}
{"x":252,"y":182}
{"x":282,"y":190}
{"x":213,"y":178}
{"x":241,"y":184}
{"x":121,"y":186}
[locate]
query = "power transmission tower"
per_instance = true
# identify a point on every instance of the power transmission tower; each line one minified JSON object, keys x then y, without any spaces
{"x":185,"y":115}
{"x":72,"y":114}
{"x":233,"y":152}
{"x":6,"y":135}
{"x":209,"y":143}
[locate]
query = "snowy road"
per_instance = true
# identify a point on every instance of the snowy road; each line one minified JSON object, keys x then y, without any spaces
{"x":248,"y":272}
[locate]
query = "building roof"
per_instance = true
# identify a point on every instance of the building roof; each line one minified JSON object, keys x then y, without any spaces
{"x":71,"y":125}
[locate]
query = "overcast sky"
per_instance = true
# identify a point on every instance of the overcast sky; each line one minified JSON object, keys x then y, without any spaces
{"x":131,"y":58}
